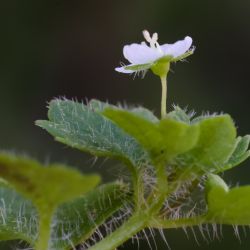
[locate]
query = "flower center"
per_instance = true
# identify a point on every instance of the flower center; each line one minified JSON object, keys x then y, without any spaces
{"x":152,"y":40}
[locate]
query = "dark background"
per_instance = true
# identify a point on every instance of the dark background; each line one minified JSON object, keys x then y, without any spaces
{"x":70,"y":48}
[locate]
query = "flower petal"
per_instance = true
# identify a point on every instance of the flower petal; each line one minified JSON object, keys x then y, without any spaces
{"x":178,"y":48}
{"x":140,"y":53}
{"x":123,"y":70}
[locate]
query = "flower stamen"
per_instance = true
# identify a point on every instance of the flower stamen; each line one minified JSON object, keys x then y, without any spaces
{"x":147,"y":36}
{"x":152,"y":40}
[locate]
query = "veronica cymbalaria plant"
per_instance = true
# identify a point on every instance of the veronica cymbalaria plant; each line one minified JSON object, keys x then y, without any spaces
{"x":174,"y":163}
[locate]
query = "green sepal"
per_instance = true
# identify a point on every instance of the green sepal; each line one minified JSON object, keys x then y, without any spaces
{"x":161,"y":67}
{"x":184,"y":56}
{"x":227,"y":206}
{"x":82,"y":127}
{"x":163,"y":140}
{"x":139,"y":67}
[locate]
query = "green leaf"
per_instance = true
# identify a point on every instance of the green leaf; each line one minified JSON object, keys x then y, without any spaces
{"x":73,"y":222}
{"x":163,"y":140}
{"x":204,"y":116}
{"x":240,"y":153}
{"x":99,"y":106}
{"x":227,"y":206}
{"x":35,"y":181}
{"x":18,"y":217}
{"x":144,"y":113}
{"x":78,"y":126}
{"x":215,"y":184}
{"x":47,"y":187}
{"x":76,"y":221}
{"x":215,"y":145}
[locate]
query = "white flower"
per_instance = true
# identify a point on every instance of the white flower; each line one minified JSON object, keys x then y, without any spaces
{"x":155,"y":57}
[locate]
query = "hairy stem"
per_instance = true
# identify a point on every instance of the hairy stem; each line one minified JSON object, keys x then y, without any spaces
{"x":161,"y":192}
{"x":145,"y":215}
{"x":44,"y":231}
{"x":183,"y":222}
{"x":140,"y":219}
{"x":138,"y":192}
{"x":135,"y":224}
{"x":164,"y":96}
{"x":137,"y":183}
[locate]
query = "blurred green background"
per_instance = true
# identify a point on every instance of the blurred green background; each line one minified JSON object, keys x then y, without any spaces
{"x":70,"y":48}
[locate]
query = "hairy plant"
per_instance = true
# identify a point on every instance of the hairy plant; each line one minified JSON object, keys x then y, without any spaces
{"x":175,"y":164}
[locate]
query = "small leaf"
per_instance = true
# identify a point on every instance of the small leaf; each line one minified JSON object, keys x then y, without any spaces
{"x":163,"y":140}
{"x":35,"y":181}
{"x":76,"y":221}
{"x":228,"y":206}
{"x":240,"y":153}
{"x":78,"y":126}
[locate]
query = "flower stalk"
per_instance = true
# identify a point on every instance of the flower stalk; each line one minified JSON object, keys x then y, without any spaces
{"x":164,"y":96}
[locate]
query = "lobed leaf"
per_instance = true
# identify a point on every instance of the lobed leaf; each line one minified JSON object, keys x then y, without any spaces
{"x":215,"y":144}
{"x":99,"y":106}
{"x":73,"y":222}
{"x":144,"y":113}
{"x":35,"y":181}
{"x":163,"y":140}
{"x":78,"y":126}
{"x":227,"y":206}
